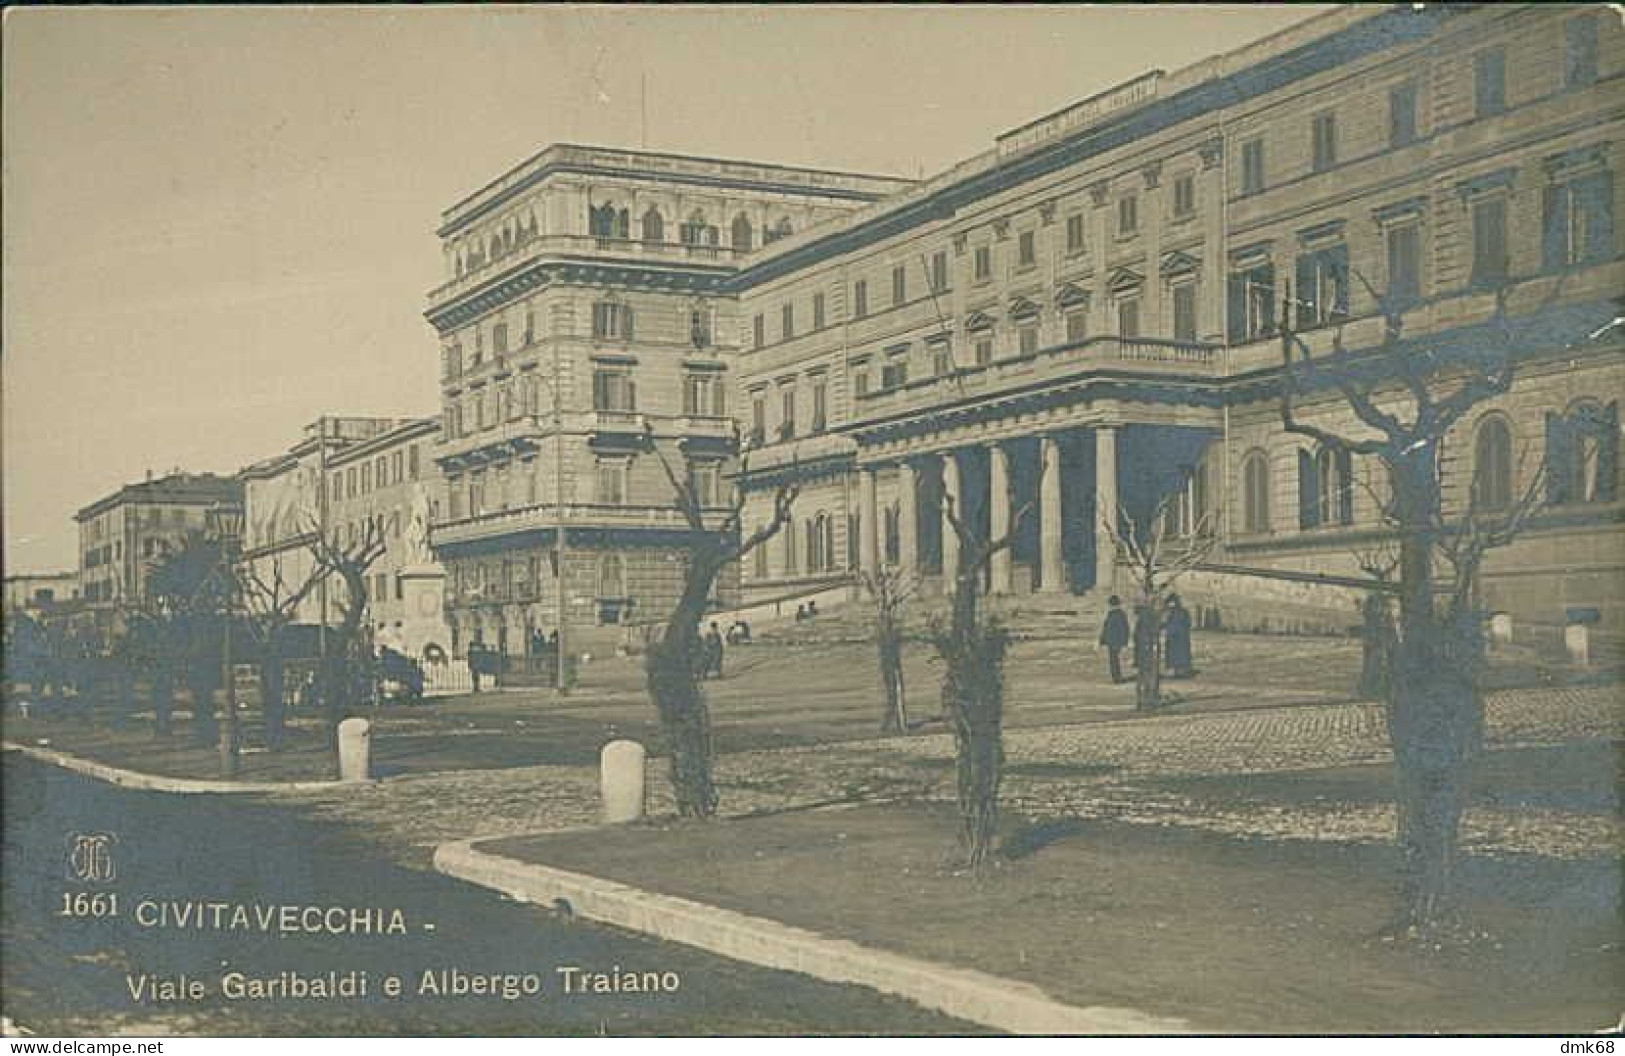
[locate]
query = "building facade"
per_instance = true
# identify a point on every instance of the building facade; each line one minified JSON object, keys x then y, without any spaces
{"x":124,"y":534}
{"x":1083,"y":319}
{"x":39,"y":593}
{"x":343,"y":473}
{"x":584,"y":340}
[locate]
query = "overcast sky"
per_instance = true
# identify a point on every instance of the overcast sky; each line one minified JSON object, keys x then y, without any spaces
{"x":219,"y":222}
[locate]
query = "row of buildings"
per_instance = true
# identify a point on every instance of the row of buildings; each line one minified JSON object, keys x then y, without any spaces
{"x":1080,"y":320}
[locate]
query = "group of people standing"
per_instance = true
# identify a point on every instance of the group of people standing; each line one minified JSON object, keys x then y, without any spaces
{"x":1173,"y":623}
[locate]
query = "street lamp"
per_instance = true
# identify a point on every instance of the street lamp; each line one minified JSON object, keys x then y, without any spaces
{"x":224,"y":522}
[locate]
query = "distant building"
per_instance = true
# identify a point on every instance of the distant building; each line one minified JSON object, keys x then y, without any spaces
{"x":594,"y":275}
{"x":40,"y":592}
{"x":122,"y":535}
{"x":377,"y":469}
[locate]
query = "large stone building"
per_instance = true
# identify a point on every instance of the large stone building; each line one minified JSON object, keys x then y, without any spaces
{"x":1084,"y":315}
{"x":376,"y":469}
{"x":581,"y":318}
{"x":124,"y":534}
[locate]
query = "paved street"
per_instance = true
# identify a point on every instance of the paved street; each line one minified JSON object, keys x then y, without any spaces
{"x":68,"y":976}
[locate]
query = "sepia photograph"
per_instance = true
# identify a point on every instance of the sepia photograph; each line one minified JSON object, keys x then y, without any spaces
{"x":585,"y":520}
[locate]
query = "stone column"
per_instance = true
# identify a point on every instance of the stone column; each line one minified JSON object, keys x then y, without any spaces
{"x":1105,"y":504}
{"x":908,"y":520}
{"x":951,"y":491}
{"x":998,"y":504}
{"x":868,"y":522}
{"x":1052,"y":560}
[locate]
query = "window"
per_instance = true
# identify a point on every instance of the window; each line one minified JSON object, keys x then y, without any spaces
{"x":1402,"y":114}
{"x":1184,"y":297}
{"x":787,"y":416}
{"x":939,"y":271}
{"x":983,"y":348}
{"x":1128,"y":317}
{"x":818,"y":311}
{"x":412,"y":461}
{"x":702,"y":394}
{"x":1580,"y":51}
{"x":1492,"y":465}
{"x":654,"y":226}
{"x":741,"y":232}
{"x":499,"y":338}
{"x":759,"y":557}
{"x":789,"y":533}
{"x":1026,"y":249}
{"x":605,"y":221}
{"x":1578,"y":221}
{"x":894,"y":371}
{"x":1489,"y":241}
{"x":611,"y":481}
{"x":1490,"y":82}
{"x":530,"y":327}
{"x":350,"y":482}
{"x":899,"y":285}
{"x":1404,"y":245}
{"x":942,"y":358}
{"x":859,"y":370}
{"x":1074,"y":234}
{"x":1255,"y":489}
{"x":1325,"y":488}
{"x":1582,"y":454}
{"x":612,"y":320}
{"x":787,"y":322}
{"x":1184,"y":196}
{"x":611,"y":576}
{"x":613,"y":390}
{"x":696,"y":232}
{"x":699,"y":327}
{"x":982,"y":263}
{"x":860,"y":299}
{"x":1128,"y":215}
{"x":1027,"y":337}
{"x":820,"y":403}
{"x":1324,"y":141}
{"x":893,"y":535}
{"x":1322,"y":291}
{"x":758,"y":331}
{"x":705,"y":483}
{"x":397,"y":464}
{"x":758,"y":417}
{"x":1252,"y":166}
{"x":1077,"y":324}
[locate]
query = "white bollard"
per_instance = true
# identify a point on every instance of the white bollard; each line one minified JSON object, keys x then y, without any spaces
{"x":355,"y":750}
{"x":621,"y":781}
{"x":1577,"y":638}
{"x":1501,"y":628}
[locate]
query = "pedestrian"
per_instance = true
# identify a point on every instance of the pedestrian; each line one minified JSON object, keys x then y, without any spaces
{"x":812,"y":610}
{"x":713,"y":651}
{"x":1177,"y":639}
{"x":1114,"y":636}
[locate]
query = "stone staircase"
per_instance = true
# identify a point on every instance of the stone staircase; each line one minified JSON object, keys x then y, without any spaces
{"x":1029,"y":617}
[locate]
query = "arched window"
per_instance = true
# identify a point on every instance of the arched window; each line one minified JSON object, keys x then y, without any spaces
{"x":1255,"y":493}
{"x":654,"y":226}
{"x":692,"y":233}
{"x":742,"y":232}
{"x":782,"y":229}
{"x":1582,"y":454}
{"x":789,"y":548}
{"x":1325,"y":487}
{"x":1492,"y":465}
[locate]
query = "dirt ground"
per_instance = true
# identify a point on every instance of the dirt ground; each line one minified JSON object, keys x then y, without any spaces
{"x":1234,"y":936}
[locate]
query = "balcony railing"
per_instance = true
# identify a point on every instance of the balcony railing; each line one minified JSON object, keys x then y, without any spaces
{"x":497,"y":523}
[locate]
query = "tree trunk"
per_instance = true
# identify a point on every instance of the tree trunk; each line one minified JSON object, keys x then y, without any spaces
{"x":671,"y":671}
{"x":895,"y":717}
{"x":973,"y":699}
{"x":1376,"y":648}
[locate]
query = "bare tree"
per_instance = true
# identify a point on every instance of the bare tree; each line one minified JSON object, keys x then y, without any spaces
{"x":673,"y":663}
{"x":890,"y":589}
{"x":273,"y":604}
{"x":972,"y":647}
{"x":1434,"y":708}
{"x":1378,"y":561}
{"x":1154,"y":559}
{"x":349,"y":562}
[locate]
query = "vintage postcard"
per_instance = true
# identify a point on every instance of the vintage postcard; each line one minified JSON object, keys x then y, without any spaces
{"x":823,"y":520}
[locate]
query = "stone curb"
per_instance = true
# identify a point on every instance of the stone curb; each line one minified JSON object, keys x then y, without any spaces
{"x":153,"y":782}
{"x":1003,"y":1004}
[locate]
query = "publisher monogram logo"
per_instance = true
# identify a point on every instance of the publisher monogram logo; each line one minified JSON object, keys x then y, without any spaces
{"x":90,"y":857}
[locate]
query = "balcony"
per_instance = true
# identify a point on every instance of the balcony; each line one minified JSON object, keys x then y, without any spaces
{"x":616,"y":423}
{"x":514,"y":437}
{"x":1109,"y":354}
{"x":579,"y":246}
{"x":720,"y":429}
{"x":543,"y":518}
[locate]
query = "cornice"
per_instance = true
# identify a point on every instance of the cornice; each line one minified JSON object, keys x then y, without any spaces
{"x":587,"y":271}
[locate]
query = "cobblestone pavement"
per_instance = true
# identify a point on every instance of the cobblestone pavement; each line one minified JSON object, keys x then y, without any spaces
{"x":1117,"y":770}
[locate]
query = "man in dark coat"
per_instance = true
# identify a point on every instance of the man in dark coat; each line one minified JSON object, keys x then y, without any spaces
{"x":1114,"y":636}
{"x":1177,"y":642}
